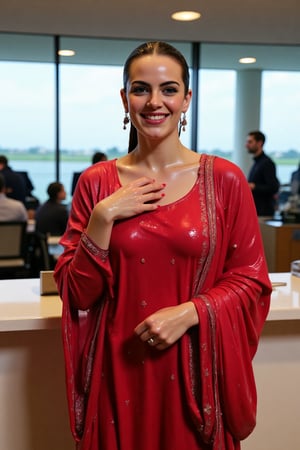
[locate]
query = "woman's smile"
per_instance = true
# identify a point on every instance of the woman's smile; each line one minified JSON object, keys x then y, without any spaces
{"x":154,"y":119}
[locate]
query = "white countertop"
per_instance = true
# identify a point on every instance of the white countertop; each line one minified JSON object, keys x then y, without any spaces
{"x":285,"y":300}
{"x":23,"y":308}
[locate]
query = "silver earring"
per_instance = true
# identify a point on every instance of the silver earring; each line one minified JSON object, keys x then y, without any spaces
{"x":125,"y":120}
{"x":183,"y":122}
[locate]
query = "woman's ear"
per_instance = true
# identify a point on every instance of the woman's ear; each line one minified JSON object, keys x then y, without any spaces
{"x":124,"y":99}
{"x":187,"y":101}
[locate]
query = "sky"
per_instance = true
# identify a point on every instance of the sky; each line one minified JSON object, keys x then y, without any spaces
{"x":91,"y":112}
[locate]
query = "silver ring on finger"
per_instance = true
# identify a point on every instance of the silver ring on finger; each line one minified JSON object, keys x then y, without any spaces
{"x":151,"y":341}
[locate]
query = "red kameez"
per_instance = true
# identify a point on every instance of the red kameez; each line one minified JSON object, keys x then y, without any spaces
{"x":200,"y":393}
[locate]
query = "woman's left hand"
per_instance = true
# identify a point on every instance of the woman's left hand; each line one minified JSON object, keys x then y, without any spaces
{"x":163,"y":328}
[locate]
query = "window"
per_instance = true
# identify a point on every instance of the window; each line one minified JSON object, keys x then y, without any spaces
{"x":280,"y":120}
{"x":216,"y":111}
{"x":27,"y":127}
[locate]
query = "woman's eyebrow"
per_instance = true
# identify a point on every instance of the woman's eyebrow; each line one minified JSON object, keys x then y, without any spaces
{"x":165,"y":83}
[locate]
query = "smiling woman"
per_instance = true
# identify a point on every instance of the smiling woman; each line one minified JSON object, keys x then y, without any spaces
{"x":163,"y":280}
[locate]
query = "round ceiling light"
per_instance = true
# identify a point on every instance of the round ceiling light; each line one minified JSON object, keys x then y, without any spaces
{"x":247,"y":60}
{"x":186,"y":16}
{"x":66,"y":52}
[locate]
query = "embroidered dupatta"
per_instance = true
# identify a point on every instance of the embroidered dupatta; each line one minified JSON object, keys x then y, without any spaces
{"x":232,"y":296}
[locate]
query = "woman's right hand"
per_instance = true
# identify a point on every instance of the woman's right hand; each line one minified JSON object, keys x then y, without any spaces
{"x":136,"y":197}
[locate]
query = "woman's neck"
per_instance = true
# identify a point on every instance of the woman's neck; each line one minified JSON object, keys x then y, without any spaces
{"x":155,"y":154}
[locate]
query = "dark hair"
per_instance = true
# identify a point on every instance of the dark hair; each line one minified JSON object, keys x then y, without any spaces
{"x":2,"y":182}
{"x":98,"y":156}
{"x":54,"y":189}
{"x":3,"y":160}
{"x":258,"y":136}
{"x":151,"y":48}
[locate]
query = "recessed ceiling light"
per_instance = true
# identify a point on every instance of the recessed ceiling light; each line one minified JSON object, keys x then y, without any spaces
{"x":248,"y":60}
{"x":186,"y":16}
{"x":66,"y":52}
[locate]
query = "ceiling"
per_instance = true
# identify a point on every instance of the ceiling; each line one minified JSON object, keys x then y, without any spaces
{"x":246,"y":21}
{"x":235,"y":22}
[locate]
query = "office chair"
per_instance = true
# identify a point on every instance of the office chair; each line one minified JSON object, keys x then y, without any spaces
{"x":12,"y":249}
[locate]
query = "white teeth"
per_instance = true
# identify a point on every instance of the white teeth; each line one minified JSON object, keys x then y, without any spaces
{"x":155,"y":117}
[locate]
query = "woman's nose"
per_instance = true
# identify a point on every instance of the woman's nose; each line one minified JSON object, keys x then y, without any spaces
{"x":154,"y":100}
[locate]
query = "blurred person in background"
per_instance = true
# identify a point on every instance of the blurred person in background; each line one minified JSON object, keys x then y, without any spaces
{"x":97,"y":157}
{"x":15,"y":185}
{"x":52,"y":216}
{"x":10,"y":210}
{"x":295,"y":181}
{"x":262,"y":177}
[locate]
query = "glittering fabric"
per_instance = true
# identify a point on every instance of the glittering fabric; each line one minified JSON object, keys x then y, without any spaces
{"x":205,"y":247}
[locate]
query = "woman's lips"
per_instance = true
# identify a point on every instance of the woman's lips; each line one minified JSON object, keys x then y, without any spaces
{"x":154,"y":118}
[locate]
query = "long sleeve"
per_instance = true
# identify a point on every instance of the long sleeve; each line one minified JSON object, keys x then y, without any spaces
{"x":267,"y":182}
{"x":84,"y":278}
{"x":83,"y":271}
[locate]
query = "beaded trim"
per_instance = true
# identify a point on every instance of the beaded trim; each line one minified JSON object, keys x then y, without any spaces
{"x":93,"y":248}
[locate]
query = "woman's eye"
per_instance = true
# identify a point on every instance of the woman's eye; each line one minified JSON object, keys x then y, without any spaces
{"x":139,"y":90}
{"x":170,"y":90}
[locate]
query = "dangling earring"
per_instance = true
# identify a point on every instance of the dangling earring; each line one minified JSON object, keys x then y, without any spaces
{"x":183,"y":122}
{"x":125,"y":120}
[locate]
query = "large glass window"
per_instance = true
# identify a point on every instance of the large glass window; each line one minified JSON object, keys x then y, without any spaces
{"x":216,"y":111}
{"x":91,"y":113}
{"x":91,"y":116}
{"x":27,"y":126}
{"x":280,"y":118}
{"x":236,"y":98}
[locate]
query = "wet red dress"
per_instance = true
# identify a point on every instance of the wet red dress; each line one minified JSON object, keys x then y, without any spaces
{"x":200,"y":393}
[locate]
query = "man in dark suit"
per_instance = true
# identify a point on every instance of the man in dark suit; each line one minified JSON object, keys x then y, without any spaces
{"x":262,"y":177}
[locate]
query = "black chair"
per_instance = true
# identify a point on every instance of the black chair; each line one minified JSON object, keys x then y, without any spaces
{"x":37,"y":253}
{"x":75,"y":178}
{"x":13,"y":250}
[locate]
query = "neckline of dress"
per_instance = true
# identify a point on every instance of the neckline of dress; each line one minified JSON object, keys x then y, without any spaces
{"x":180,"y":199}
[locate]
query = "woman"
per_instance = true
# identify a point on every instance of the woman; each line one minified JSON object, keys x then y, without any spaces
{"x":163,"y":280}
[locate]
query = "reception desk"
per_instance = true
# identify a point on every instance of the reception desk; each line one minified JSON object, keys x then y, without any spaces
{"x":33,"y":411}
{"x":281,"y":243}
{"x":33,"y":408}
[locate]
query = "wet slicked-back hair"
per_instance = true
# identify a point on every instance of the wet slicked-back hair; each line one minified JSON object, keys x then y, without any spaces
{"x":153,"y":48}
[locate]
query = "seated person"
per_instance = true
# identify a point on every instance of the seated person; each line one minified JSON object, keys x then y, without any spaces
{"x":10,"y":210}
{"x":295,"y":182}
{"x":97,"y":157}
{"x":52,"y":216}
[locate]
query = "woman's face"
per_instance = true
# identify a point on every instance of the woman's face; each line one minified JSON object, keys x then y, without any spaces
{"x":155,"y":95}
